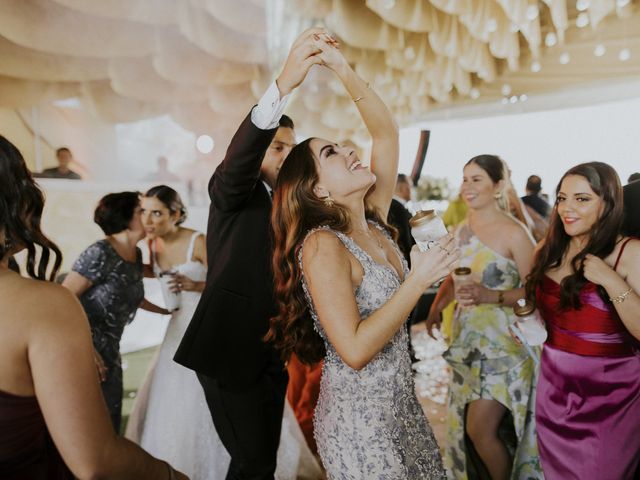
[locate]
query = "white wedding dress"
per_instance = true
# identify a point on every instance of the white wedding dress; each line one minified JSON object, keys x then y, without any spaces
{"x":171,"y":420}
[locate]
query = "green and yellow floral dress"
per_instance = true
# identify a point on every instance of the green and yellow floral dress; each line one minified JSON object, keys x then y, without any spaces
{"x":488,"y":364}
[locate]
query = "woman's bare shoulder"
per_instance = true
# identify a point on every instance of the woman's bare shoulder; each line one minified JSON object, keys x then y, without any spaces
{"x":37,"y":299}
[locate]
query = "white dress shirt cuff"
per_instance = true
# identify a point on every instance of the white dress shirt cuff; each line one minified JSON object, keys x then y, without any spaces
{"x":266,"y":115}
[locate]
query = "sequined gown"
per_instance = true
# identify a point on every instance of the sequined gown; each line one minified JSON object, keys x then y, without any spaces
{"x":368,"y":423}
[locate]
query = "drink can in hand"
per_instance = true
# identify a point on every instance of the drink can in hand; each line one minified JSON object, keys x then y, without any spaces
{"x":427,"y":228}
{"x":171,"y":299}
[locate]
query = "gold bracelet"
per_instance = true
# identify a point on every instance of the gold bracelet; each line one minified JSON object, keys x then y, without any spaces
{"x":622,"y":297}
{"x":357,"y":99}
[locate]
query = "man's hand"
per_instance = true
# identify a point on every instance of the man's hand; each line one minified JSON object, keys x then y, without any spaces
{"x":303,"y":54}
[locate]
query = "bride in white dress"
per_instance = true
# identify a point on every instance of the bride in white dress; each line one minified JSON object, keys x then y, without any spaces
{"x":170,"y":418}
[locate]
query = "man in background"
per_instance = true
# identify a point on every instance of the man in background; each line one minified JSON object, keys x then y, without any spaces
{"x":64,"y":158}
{"x":162,"y":174}
{"x":533,"y":199}
{"x":631,"y":224}
{"x":399,"y":215}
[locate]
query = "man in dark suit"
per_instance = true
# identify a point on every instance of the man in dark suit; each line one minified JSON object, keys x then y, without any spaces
{"x":632,"y":208}
{"x":243,"y":378}
{"x":533,"y":199}
{"x":399,"y":216}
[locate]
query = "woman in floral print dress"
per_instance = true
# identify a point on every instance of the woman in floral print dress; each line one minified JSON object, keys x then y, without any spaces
{"x":492,"y":389}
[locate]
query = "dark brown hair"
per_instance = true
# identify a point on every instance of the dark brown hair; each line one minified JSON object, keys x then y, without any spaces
{"x":21,"y":204}
{"x":604,"y":181}
{"x":171,"y":199}
{"x":296,"y":211}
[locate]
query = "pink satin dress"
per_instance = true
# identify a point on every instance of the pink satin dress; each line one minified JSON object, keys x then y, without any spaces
{"x":588,"y":396}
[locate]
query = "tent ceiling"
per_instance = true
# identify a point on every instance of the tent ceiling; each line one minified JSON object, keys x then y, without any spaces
{"x":206,"y":61}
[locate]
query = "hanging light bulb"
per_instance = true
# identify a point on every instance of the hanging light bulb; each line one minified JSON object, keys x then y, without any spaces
{"x":565,"y":58}
{"x":474,"y":93}
{"x":624,"y":55}
{"x":505,"y":100}
{"x":409,"y":53}
{"x":600,"y":50}
{"x":582,"y":5}
{"x":535,"y":66}
{"x":506,"y":90}
{"x":582,"y":20}
{"x":532,"y":12}
{"x":550,"y":39}
{"x":524,"y":97}
{"x":513,"y":99}
{"x":492,"y":25}
{"x":204,"y":144}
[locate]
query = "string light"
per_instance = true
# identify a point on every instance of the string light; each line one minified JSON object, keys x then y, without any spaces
{"x":506,"y":89}
{"x":600,"y":50}
{"x":535,"y":66}
{"x":474,"y":93}
{"x":204,"y":144}
{"x":492,"y":25}
{"x":565,"y":58}
{"x":550,"y":39}
{"x":624,"y":55}
{"x":582,"y":5}
{"x":582,"y":20}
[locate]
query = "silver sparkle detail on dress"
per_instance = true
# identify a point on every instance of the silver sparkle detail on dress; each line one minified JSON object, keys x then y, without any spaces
{"x":368,"y":423}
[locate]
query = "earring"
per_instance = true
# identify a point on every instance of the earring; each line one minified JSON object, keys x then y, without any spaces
{"x":328,"y":201}
{"x":497,"y":196}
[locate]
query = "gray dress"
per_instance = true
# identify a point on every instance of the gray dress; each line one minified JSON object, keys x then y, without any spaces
{"x":368,"y":423}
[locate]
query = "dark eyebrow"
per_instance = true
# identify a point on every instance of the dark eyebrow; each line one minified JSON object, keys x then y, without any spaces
{"x":278,"y":142}
{"x":327,"y":146}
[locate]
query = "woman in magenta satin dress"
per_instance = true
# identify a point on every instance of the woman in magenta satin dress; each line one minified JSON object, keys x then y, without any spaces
{"x":585,"y":283}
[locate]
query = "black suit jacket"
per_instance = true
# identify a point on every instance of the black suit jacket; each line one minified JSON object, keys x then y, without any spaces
{"x":538,"y":204}
{"x":632,"y":209}
{"x":399,"y":217}
{"x":224,"y":338}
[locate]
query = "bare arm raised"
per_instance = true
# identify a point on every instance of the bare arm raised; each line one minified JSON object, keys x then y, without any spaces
{"x":379,"y":122}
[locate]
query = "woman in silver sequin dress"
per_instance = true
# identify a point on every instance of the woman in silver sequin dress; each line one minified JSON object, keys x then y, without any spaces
{"x":344,"y":293}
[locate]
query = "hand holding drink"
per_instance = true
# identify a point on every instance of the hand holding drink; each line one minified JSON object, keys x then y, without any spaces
{"x":170,"y":295}
{"x":427,"y":228}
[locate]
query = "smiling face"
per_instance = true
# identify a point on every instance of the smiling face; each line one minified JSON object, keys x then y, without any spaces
{"x":478,"y":189}
{"x":579,"y":207}
{"x":340,"y":171}
{"x":157,"y":219}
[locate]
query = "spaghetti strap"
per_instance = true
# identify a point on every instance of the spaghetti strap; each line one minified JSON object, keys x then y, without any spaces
{"x":624,"y":244}
{"x":192,"y":243}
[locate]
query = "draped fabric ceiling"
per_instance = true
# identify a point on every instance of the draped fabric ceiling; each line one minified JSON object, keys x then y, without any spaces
{"x":205,"y":62}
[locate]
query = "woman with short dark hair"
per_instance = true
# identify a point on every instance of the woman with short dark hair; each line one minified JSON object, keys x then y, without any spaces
{"x":107,"y":278}
{"x":53,"y":421}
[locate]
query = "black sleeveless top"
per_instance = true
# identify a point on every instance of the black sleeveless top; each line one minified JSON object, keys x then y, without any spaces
{"x":26,"y":448}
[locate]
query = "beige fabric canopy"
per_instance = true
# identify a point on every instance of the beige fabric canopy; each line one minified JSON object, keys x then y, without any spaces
{"x":205,"y":62}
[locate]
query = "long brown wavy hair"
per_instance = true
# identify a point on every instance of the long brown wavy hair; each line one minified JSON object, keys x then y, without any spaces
{"x":604,"y":181}
{"x":296,"y":211}
{"x":21,"y":205}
